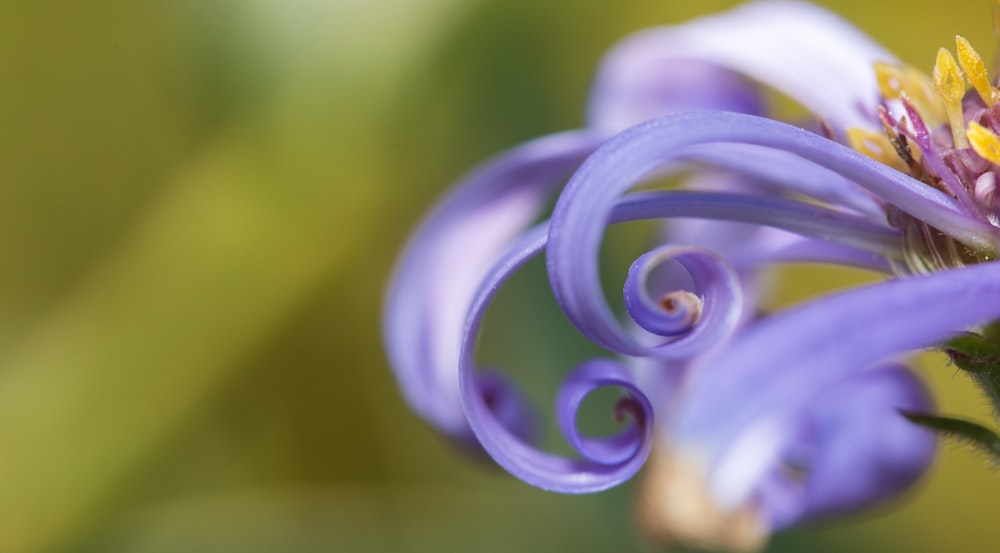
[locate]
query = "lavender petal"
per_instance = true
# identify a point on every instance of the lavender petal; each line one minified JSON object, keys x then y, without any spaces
{"x":576,"y":232}
{"x":664,"y":85}
{"x":807,"y":250}
{"x":449,"y":254}
{"x":587,"y":377}
{"x":588,"y":309}
{"x":855,"y":449}
{"x":791,"y":358}
{"x":801,"y":50}
{"x":747,"y":247}
{"x":604,"y":463}
{"x":705,"y":317}
{"x":778,"y":172}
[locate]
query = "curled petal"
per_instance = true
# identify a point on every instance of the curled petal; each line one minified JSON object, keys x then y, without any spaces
{"x":854,"y":450}
{"x":508,"y":405}
{"x":585,"y":379}
{"x":604,"y":463}
{"x":607,"y":174}
{"x":803,"y":51}
{"x":672,"y":312}
{"x":580,"y":295}
{"x":772,"y":371}
{"x":705,"y":317}
{"x":448,"y":256}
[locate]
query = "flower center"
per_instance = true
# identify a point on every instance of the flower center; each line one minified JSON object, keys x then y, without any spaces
{"x":936,"y":131}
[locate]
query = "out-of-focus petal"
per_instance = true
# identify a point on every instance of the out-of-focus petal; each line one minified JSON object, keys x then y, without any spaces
{"x":666,"y":85}
{"x":803,"y":51}
{"x":448,"y":256}
{"x":854,"y":450}
{"x":741,"y":403}
{"x":846,"y":450}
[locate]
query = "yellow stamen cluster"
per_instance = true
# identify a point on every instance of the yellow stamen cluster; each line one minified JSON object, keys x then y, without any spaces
{"x":949,"y":85}
{"x":938,"y":99}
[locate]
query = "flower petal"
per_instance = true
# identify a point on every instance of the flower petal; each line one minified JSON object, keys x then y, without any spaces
{"x":807,"y":250}
{"x":588,"y":310}
{"x":677,"y":312}
{"x":803,"y":51}
{"x":777,"y":172}
{"x":604,"y":462}
{"x":770,"y":373}
{"x":807,"y":219}
{"x":438,"y":273}
{"x":747,"y":247}
{"x":576,"y":232}
{"x":664,"y":85}
{"x":854,"y":448}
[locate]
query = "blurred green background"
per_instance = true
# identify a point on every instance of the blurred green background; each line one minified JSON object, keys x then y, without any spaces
{"x":200,"y":202}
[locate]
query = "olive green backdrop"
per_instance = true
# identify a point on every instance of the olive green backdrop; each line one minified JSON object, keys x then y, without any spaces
{"x":200,"y":202}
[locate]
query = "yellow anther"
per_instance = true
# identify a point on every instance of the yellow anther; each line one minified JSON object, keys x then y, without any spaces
{"x":975,"y":70}
{"x":950,"y":87}
{"x":985,"y":142}
{"x":876,"y":146}
{"x":890,"y":79}
{"x":894,"y":80}
{"x":947,"y":79}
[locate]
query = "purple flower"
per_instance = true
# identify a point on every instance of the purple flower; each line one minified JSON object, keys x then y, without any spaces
{"x":761,"y":421}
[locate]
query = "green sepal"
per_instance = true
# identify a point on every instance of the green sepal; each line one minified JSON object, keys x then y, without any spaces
{"x":973,"y":353}
{"x":980,"y":357}
{"x":971,"y":433}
